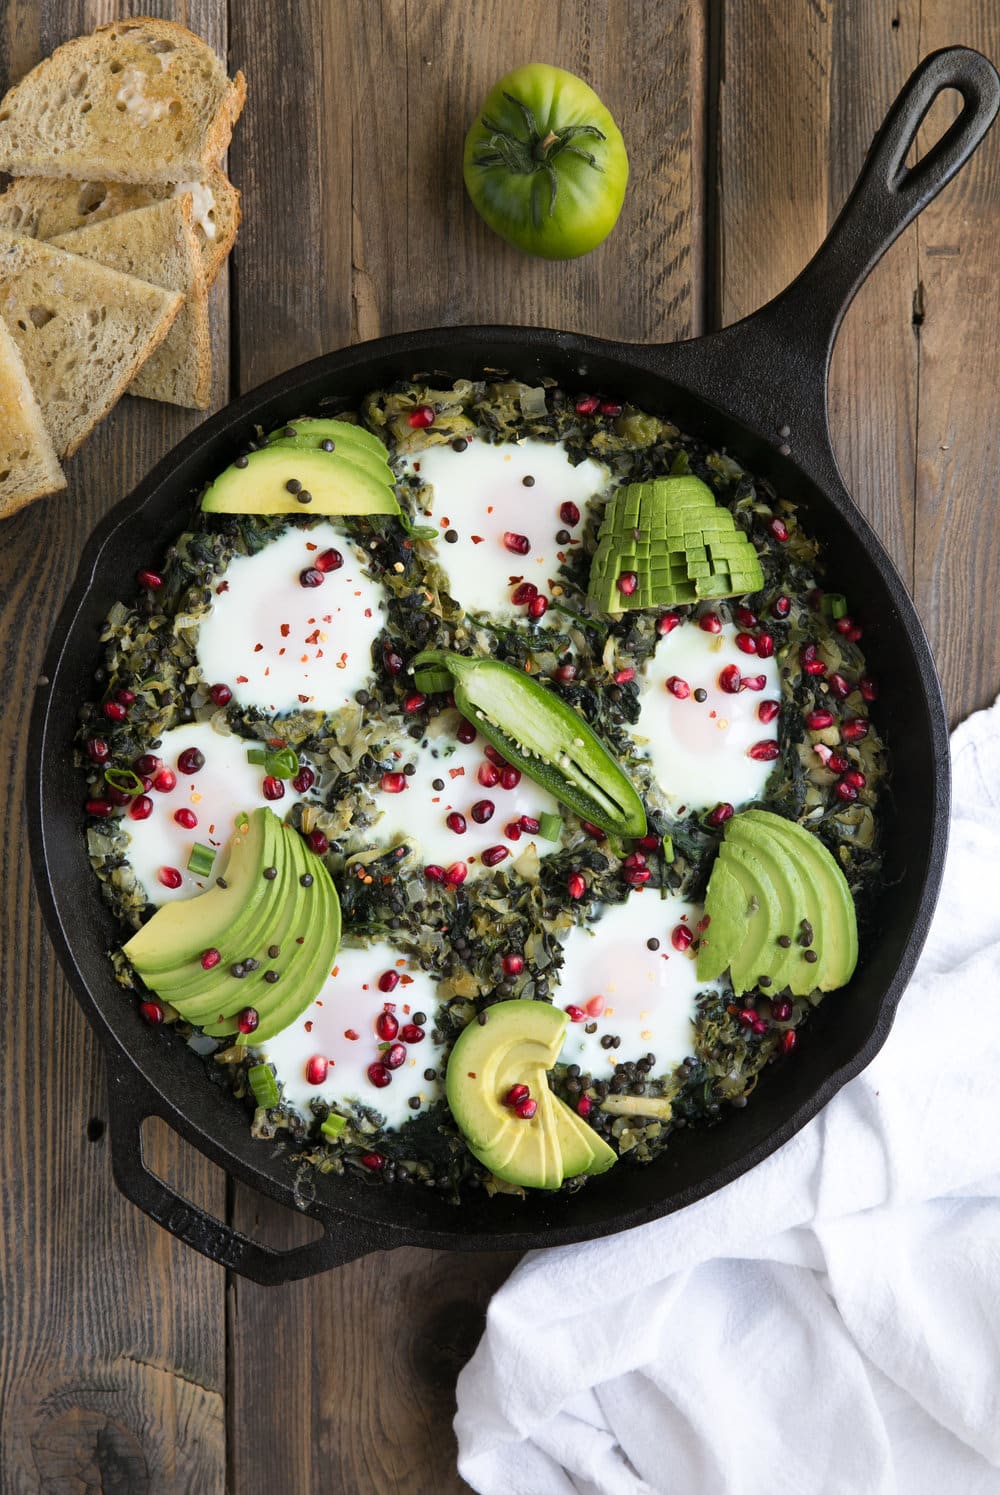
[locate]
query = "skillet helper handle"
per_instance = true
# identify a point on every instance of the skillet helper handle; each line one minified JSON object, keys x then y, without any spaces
{"x":130,"y":1103}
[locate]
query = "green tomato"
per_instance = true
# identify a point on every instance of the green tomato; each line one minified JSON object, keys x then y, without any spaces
{"x":545,"y":164}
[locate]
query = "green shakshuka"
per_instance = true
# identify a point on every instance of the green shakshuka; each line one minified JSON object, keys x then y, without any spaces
{"x":485,"y":782}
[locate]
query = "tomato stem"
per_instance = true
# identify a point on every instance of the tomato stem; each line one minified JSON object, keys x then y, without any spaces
{"x":525,"y":156}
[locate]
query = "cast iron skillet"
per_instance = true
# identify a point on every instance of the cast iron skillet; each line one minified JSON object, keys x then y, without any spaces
{"x":759,"y":388}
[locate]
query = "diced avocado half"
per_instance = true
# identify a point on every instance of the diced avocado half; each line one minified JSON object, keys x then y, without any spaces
{"x":678,"y":542}
{"x":517,"y":1044}
{"x":774,"y":880}
{"x":271,"y":480}
{"x":295,"y":911}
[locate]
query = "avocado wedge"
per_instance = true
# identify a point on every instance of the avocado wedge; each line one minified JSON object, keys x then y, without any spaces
{"x":276,"y":479}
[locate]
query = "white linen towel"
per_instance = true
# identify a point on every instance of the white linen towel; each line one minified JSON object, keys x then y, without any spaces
{"x":827,"y":1325}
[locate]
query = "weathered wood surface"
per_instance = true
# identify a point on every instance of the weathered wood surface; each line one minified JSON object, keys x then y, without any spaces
{"x":127,"y":1362}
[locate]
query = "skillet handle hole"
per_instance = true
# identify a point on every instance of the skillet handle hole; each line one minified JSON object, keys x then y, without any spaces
{"x":942,"y":114}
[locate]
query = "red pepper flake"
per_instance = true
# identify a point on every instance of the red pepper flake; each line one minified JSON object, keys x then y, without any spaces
{"x":222,"y":587}
{"x":308,"y":1026}
{"x":350,"y":1033}
{"x":257,"y":648}
{"x":446,"y":524}
{"x":313,"y":638}
{"x":304,"y":699}
{"x":477,"y":539}
{"x":489,"y":508}
{"x":280,"y":653}
{"x":285,"y":630}
{"x":242,"y":679}
{"x":311,"y":546}
{"x":455,"y":773}
{"x":327,"y":617}
{"x":368,"y":612}
{"x":405,"y":980}
{"x":472,"y":1074}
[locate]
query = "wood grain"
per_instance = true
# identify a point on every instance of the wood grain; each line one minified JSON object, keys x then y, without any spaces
{"x":112,"y":1344}
{"x":358,"y":225}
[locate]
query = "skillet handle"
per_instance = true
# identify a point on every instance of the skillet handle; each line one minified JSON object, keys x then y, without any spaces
{"x":130,"y":1102}
{"x":781,"y":353}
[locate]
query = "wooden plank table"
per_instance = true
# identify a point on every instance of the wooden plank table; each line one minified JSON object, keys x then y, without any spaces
{"x":126,"y":1361}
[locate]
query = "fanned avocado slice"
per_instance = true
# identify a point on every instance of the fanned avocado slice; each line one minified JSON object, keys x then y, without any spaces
{"x":273,"y":479}
{"x":313,"y":430}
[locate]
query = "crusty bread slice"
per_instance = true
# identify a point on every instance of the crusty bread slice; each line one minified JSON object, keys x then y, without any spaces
{"x":83,"y":331}
{"x":158,"y":244}
{"x":29,"y":466}
{"x":46,"y":207}
{"x":138,"y":101}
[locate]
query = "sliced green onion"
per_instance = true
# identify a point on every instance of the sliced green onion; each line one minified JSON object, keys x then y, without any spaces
{"x":257,"y":755}
{"x":834,"y":604}
{"x":124,"y":779}
{"x":549,"y":826}
{"x":333,"y":1126}
{"x":433,"y":682}
{"x":668,"y":849}
{"x":263,"y":1084}
{"x":201,"y":859}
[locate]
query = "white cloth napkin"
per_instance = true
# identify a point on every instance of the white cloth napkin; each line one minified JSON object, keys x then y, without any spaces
{"x":827,"y":1325}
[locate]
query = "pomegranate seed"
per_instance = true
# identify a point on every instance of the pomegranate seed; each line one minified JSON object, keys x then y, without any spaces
{"x":856,"y":777}
{"x":845,"y":791}
{"x":526,"y":1109}
{"x":147,"y":764}
{"x":868,"y":688}
{"x":854,"y":729}
{"x":388,"y":981}
{"x":494,"y":855}
{"x":759,"y":1025}
{"x":141,"y":807}
{"x":678,"y":687}
{"x":745,"y":618}
{"x":788,"y":1041}
{"x":393,"y":783}
{"x":594,"y":831}
{"x":379,"y":1076}
{"x":456,"y":874}
{"x":569,"y":513}
{"x":482,"y":811}
{"x":710,"y":623}
{"x":530,"y":825}
{"x":186,"y":818}
{"x":818,"y":721}
{"x":412,"y":1033}
{"x":768,"y":710}
{"x":524,"y":594}
{"x":622,"y":677}
{"x":778,"y":529}
{"x":510,"y":777}
{"x":117,"y":796}
{"x":114,"y":711}
{"x":152,"y":1012}
{"x":839,"y":687}
{"x":311,"y":577}
{"x":610,"y":407}
{"x":102,"y":808}
{"x":730,"y":679}
{"x":316,"y":1069}
{"x":329,"y":560}
{"x":838,"y":763}
{"x":627,"y":583}
{"x":414,"y":702}
{"x":170,"y":877}
{"x":815,"y":667}
{"x":587,"y":404}
{"x":648,"y":843}
{"x":433,"y":873}
{"x":98,"y":750}
{"x":374,"y":1161}
{"x":566,"y":673}
{"x":393,"y":661}
{"x":844,"y":625}
{"x":165,"y":780}
{"x":221,"y":695}
{"x":273,"y":788}
{"x":765,"y":645}
{"x":386,"y":1026}
{"x":746,"y":1017}
{"x":746,"y":643}
{"x":488,"y":775}
{"x":667,"y":623}
{"x":125,"y":697}
{"x":248,"y":1020}
{"x":753,"y":682}
{"x":681,"y":937}
{"x":764,"y":752}
{"x":513,"y":964}
{"x":421,"y":418}
{"x":512,"y":830}
{"x":149,"y":579}
{"x":516,"y":1094}
{"x":495,"y":756}
{"x":595,"y":1006}
{"x":519,"y":544}
{"x":303,"y":780}
{"x":637,"y":876}
{"x":781,"y":606}
{"x":394,"y":1056}
{"x":807,"y":653}
{"x":720,"y":814}
{"x":191,"y":760}
{"x":634,"y":859}
{"x":855,"y":634}
{"x":210,"y":959}
{"x":456,"y":822}
{"x":465,"y":732}
{"x":538,"y":606}
{"x":575,"y":1014}
{"x":575,"y":886}
{"x":781,"y":1010}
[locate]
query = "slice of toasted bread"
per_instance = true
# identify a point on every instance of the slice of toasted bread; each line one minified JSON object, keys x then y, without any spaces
{"x":46,"y":207}
{"x":158,"y":244}
{"x":29,"y":466}
{"x":138,"y":101}
{"x":83,"y":331}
